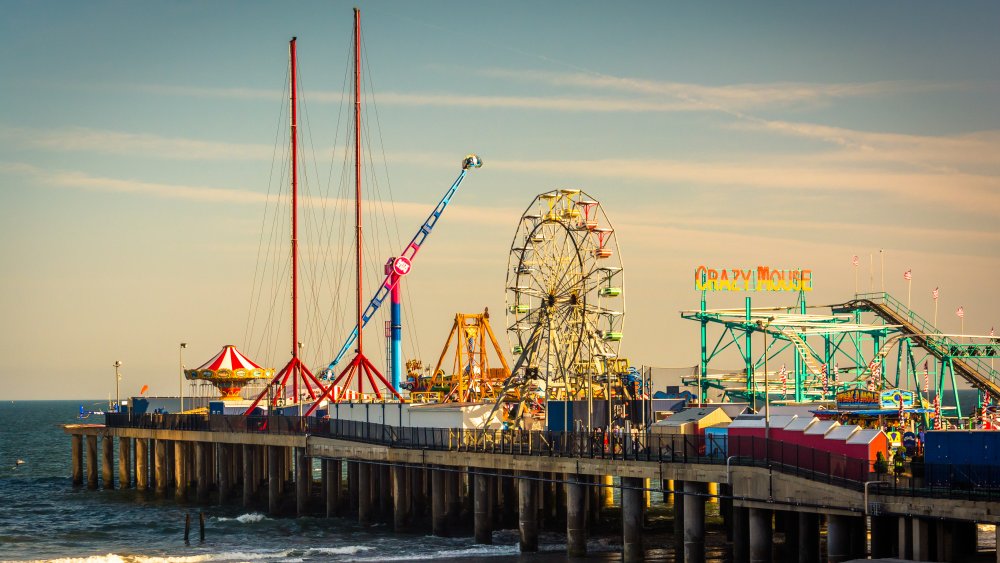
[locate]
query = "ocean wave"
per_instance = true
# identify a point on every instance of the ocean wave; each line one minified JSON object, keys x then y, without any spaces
{"x":248,"y":518}
{"x":475,"y":551}
{"x":345,"y":550}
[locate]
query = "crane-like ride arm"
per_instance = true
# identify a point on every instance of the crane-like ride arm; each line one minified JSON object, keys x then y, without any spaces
{"x":402,"y":264}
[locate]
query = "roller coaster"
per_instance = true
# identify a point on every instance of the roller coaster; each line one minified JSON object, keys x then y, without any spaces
{"x":847,"y":348}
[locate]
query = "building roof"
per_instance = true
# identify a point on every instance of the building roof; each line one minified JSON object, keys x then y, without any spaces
{"x":692,"y":415}
{"x":842,"y":432}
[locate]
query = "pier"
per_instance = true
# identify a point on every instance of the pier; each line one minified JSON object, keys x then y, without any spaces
{"x":529,"y":480}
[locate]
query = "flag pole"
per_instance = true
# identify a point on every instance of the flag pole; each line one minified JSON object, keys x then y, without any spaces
{"x":909,"y":291}
{"x":871,"y":273}
{"x":881,"y":256}
{"x":935,"y":311}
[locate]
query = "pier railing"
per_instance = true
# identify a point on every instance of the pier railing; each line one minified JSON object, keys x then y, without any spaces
{"x":787,"y":458}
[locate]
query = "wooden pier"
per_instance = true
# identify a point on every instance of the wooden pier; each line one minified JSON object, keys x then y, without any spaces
{"x":437,"y":475}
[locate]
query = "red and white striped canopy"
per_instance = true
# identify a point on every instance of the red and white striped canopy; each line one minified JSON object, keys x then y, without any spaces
{"x":229,"y":364}
{"x":229,"y":358}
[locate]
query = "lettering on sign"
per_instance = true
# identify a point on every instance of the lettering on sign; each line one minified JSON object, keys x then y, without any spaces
{"x":763,"y":278}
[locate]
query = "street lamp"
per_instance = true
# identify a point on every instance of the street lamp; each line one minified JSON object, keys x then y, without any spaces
{"x":764,"y":325}
{"x":180,"y":378}
{"x":118,"y":378}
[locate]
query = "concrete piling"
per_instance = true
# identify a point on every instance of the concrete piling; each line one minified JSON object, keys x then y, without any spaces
{"x":576,"y":516}
{"x":91,"y":462}
{"x":439,"y":516}
{"x":141,"y":464}
{"x":694,"y":522}
{"x":741,"y":535}
{"x":761,"y":535}
{"x":632,"y":505}
{"x":364,"y":493}
{"x":303,"y":477}
{"x":77,"y":459}
{"x":527,"y":513}
{"x":808,"y":544}
{"x":483,"y":519}
{"x":838,"y":538}
{"x":108,"y":461}
{"x":274,"y":458}
{"x":124,"y":465}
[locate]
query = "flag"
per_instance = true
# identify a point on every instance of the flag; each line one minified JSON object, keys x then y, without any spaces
{"x":826,"y":381}
{"x":936,"y":293}
{"x":902,"y":413}
{"x":876,"y":375}
{"x":783,"y":376}
{"x":927,"y":381}
{"x":992,"y":334}
{"x":937,"y":413}
{"x":960,"y":312}
{"x":908,"y":275}
{"x":144,"y":389}
{"x":836,"y":370}
{"x":855,"y":260}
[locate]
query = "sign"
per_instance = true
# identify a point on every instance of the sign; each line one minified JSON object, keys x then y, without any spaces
{"x":763,"y":278}
{"x":402,"y":266}
{"x":858,"y":399}
{"x":889,"y":399}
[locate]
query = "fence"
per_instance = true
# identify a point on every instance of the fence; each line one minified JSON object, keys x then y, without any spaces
{"x":712,"y":449}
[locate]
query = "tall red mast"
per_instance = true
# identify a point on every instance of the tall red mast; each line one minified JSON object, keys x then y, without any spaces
{"x":294,"y":369}
{"x":295,"y":200}
{"x":357,"y":176}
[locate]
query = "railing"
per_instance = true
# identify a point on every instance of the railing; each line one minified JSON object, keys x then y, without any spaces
{"x":711,"y":449}
{"x":952,"y":481}
{"x":285,"y":425}
{"x":976,"y":482}
{"x":940,"y":344}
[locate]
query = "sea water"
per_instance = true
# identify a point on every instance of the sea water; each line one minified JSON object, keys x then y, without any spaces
{"x":43,"y":517}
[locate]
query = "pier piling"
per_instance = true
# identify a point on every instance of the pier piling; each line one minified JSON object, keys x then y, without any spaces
{"x":108,"y":461}
{"x":274,"y":456}
{"x":632,"y":505}
{"x":761,"y":535}
{"x":576,"y":516}
{"x":91,"y":462}
{"x":527,"y":513}
{"x":439,"y":518}
{"x":483,"y":519}
{"x":400,"y":499}
{"x":124,"y":469}
{"x":694,"y":522}
{"x":77,"y":459}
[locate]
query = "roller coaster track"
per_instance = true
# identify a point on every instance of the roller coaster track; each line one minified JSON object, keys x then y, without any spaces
{"x":978,"y":373}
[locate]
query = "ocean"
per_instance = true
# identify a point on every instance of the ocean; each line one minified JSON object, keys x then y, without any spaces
{"x":44,"y":518}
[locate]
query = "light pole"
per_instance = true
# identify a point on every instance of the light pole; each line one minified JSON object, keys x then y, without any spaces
{"x":764,"y":325}
{"x":180,"y":377}
{"x":118,"y":378}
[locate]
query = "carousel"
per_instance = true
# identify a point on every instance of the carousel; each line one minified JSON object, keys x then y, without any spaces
{"x":229,"y":371}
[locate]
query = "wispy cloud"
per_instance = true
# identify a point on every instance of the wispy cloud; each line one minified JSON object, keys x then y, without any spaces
{"x":946,"y":152}
{"x":133,"y":144}
{"x":976,"y":193}
{"x":209,"y":194}
{"x":731,"y":97}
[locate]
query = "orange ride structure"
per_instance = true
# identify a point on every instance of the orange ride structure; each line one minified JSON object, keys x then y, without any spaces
{"x":229,"y":371}
{"x":471,"y":378}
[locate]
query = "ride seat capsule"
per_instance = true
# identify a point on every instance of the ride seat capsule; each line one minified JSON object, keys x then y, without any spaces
{"x":611,"y":291}
{"x":612,"y":336}
{"x":520,"y":308}
{"x":603,"y":252}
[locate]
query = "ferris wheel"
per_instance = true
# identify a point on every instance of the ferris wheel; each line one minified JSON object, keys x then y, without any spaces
{"x":565,"y":312}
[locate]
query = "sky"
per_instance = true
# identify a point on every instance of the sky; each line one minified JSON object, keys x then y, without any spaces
{"x":142,"y":149}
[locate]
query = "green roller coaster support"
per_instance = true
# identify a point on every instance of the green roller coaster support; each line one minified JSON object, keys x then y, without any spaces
{"x":703,"y":365}
{"x":748,"y":359}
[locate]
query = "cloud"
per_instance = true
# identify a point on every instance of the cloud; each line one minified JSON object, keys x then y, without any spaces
{"x":944,"y":153}
{"x":133,"y":144}
{"x":969,"y":192}
{"x":729,"y":97}
{"x":479,"y":215}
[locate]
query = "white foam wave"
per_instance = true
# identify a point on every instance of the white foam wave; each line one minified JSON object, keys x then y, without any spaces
{"x":475,"y":551}
{"x":248,"y":518}
{"x":345,"y":550}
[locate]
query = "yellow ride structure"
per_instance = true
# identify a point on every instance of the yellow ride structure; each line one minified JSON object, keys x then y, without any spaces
{"x":471,"y":377}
